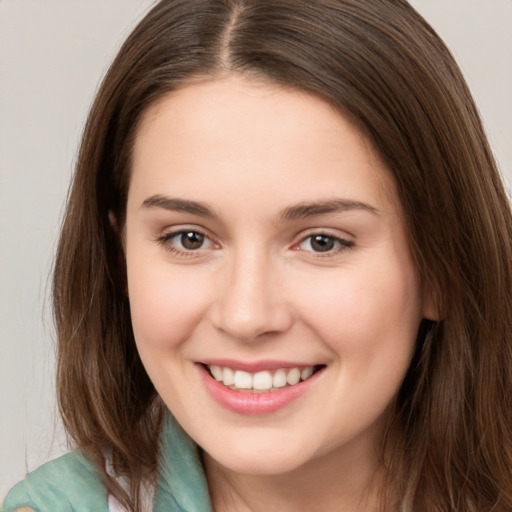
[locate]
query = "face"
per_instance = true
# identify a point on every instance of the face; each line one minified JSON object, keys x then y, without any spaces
{"x":274,"y":300}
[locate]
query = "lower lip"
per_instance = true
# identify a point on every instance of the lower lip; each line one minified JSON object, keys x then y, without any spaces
{"x":254,"y":404}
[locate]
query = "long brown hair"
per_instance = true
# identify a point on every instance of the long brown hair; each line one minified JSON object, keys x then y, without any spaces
{"x":379,"y":63}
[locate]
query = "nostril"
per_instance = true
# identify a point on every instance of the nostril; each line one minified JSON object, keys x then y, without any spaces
{"x":248,"y":324}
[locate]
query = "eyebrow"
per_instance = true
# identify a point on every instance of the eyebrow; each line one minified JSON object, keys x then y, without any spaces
{"x":294,"y":212}
{"x":178,"y":205}
{"x":305,"y":210}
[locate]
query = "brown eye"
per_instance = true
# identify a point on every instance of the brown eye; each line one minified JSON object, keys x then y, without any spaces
{"x":192,"y":240}
{"x":322,"y":243}
{"x":185,"y":242}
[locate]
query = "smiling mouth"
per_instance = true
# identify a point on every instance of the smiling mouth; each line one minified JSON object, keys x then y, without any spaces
{"x":263,"y":381}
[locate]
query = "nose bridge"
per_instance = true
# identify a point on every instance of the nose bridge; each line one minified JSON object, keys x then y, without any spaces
{"x":251,"y":302}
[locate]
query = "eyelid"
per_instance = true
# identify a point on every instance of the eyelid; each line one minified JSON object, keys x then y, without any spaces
{"x":167,"y":235}
{"x":345,"y":242}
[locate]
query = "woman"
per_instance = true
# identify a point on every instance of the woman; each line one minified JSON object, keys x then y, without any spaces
{"x":287,"y":229}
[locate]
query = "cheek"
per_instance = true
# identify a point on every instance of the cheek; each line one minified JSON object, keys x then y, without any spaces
{"x":165,"y":304}
{"x":360,"y":312}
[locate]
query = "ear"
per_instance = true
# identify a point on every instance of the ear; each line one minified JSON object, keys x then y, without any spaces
{"x":431,"y":305}
{"x":120,"y":270}
{"x":112,"y":219}
{"x":118,"y":230}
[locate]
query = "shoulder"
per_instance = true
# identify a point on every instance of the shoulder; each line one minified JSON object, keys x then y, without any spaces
{"x":66,"y":484}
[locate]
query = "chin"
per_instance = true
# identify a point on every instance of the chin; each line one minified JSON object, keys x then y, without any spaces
{"x":254,"y":460}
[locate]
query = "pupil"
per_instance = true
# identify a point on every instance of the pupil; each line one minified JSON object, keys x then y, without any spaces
{"x":192,"y":240}
{"x":322,"y":243}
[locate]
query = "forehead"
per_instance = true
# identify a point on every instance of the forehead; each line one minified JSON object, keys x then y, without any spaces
{"x":253,"y":135}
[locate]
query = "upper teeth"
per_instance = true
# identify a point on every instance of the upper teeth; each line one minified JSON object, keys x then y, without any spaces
{"x":265,"y":380}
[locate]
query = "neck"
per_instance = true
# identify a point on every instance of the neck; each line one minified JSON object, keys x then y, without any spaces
{"x":324,"y":484}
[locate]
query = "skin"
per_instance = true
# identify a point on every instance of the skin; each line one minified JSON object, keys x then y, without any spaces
{"x":257,"y":289}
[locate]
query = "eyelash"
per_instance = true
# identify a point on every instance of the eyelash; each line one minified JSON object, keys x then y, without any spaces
{"x":164,"y":241}
{"x":342,"y":244}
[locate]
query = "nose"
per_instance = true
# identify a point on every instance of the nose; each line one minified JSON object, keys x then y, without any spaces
{"x":251,"y":301}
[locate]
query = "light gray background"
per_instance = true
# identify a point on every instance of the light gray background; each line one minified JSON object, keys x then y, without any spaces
{"x":52,"y":55}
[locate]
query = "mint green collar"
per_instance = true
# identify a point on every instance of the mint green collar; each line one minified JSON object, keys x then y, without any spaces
{"x":71,"y":483}
{"x":182,"y":484}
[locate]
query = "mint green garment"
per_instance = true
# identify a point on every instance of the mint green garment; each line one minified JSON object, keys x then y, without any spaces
{"x":72,"y":483}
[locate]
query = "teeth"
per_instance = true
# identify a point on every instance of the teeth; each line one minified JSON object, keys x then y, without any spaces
{"x":216,"y":372}
{"x":293,"y":376}
{"x":279,"y":379}
{"x":243,"y":380}
{"x":260,"y":381}
{"x":306,"y":373}
{"x":228,"y":376}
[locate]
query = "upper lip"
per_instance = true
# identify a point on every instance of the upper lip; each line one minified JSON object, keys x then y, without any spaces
{"x":256,"y":366}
